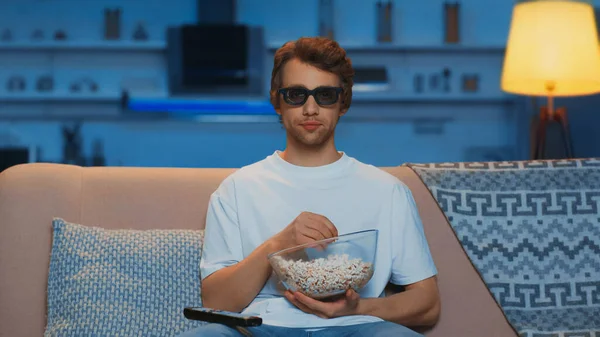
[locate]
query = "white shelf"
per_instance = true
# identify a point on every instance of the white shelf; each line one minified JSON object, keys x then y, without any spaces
{"x":66,"y":97}
{"x":74,"y":45}
{"x":441,"y":48}
{"x":450,"y":98}
{"x":60,"y":98}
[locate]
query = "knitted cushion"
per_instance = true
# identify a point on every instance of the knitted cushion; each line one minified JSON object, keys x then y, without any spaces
{"x":122,"y":282}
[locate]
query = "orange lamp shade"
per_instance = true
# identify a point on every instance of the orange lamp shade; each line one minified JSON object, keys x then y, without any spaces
{"x":552,"y":49}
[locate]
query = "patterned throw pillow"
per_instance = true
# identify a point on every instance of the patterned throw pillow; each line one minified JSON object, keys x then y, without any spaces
{"x":532,"y":231}
{"x":122,"y":282}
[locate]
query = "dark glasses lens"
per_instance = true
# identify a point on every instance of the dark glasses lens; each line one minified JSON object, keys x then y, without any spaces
{"x":322,"y":95}
{"x":296,"y":96}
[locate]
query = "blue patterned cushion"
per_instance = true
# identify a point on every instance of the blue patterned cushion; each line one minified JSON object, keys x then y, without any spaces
{"x":532,"y":230}
{"x":122,"y":282}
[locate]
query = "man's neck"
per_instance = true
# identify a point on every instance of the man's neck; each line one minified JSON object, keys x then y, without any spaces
{"x":310,"y":157}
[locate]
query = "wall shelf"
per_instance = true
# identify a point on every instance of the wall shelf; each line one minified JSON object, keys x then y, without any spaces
{"x":263,"y":107}
{"x":249,"y":106}
{"x":226,"y":119}
{"x":430,"y":99}
{"x":90,"y":98}
{"x":388,"y":48}
{"x":74,"y":45}
{"x":130,"y":45}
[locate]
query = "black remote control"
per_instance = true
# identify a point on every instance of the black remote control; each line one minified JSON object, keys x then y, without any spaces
{"x":228,"y":318}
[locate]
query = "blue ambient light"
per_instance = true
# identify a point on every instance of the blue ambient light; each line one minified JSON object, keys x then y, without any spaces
{"x":200,"y":107}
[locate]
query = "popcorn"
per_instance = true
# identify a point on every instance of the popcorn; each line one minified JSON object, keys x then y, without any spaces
{"x":324,"y":277}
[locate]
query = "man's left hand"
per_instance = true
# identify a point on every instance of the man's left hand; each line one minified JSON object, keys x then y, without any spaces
{"x":344,"y":306}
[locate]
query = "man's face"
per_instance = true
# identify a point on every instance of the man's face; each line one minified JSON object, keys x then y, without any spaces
{"x":309,"y":124}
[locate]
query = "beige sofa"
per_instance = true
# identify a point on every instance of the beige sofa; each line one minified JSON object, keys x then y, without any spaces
{"x":31,"y":195}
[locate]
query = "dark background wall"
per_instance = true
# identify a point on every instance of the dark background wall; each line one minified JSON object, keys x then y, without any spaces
{"x":386,"y":127}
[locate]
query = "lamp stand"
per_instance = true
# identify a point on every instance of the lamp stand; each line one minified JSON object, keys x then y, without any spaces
{"x":550,"y":134}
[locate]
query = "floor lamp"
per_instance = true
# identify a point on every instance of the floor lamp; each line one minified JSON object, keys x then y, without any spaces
{"x":552,"y":51}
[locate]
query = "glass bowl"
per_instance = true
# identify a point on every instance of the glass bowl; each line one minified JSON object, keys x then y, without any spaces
{"x":327,"y":268}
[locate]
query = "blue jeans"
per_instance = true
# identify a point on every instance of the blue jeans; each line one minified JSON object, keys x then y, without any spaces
{"x":379,"y":329}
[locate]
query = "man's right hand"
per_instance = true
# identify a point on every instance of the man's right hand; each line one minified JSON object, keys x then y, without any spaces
{"x":233,"y":288}
{"x":306,"y":228}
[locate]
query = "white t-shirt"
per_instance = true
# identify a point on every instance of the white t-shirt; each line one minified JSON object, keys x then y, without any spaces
{"x":258,"y":201}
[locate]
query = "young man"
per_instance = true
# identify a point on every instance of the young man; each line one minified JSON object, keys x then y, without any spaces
{"x":311,"y":191}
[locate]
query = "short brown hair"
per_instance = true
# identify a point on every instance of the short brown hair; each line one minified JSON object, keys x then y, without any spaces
{"x":319,"y":52}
